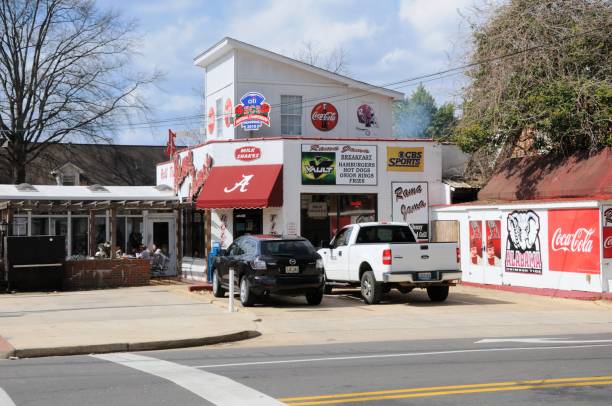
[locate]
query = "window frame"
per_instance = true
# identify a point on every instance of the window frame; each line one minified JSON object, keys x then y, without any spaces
{"x":286,"y":111}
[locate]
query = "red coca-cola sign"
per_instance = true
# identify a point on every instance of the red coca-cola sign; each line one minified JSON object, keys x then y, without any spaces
{"x":324,"y":116}
{"x":247,"y":153}
{"x":573,"y":240}
{"x":607,"y":245}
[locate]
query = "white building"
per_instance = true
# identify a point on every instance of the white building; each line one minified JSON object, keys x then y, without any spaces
{"x":294,"y":149}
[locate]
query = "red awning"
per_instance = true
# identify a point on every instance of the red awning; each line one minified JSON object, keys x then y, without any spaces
{"x":232,"y":187}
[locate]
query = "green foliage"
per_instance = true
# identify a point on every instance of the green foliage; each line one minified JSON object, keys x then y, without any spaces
{"x":418,"y":116}
{"x":561,"y":90}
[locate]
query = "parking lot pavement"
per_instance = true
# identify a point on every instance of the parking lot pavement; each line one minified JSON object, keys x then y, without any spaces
{"x":468,"y":312}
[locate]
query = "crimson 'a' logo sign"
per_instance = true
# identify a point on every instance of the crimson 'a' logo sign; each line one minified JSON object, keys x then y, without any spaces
{"x":241,"y":185}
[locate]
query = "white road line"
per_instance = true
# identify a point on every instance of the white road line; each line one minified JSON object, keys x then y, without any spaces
{"x":540,"y":340}
{"x":214,"y":388}
{"x":407,"y":354}
{"x":5,"y":399}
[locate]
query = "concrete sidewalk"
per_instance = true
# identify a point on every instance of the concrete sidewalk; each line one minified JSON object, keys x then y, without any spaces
{"x":127,"y":319}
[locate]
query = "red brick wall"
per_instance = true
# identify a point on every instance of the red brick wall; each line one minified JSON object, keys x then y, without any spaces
{"x":106,"y":273}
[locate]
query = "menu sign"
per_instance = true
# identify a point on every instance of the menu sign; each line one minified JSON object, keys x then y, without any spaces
{"x":331,"y":164}
{"x":410,"y":205}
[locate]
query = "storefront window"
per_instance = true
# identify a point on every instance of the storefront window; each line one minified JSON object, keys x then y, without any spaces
{"x":20,"y":226}
{"x":100,"y":229}
{"x":193,"y":233}
{"x":40,"y":226}
{"x":134,"y":232}
{"x":291,"y":115}
{"x":79,"y":235}
{"x":322,"y":215}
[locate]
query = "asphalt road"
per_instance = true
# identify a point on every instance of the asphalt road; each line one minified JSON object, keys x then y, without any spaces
{"x":570,"y":370}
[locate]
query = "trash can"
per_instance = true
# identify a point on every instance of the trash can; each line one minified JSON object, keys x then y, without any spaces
{"x":213,"y":253}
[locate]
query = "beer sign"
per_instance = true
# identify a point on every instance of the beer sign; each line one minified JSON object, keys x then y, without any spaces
{"x":573,"y":240}
{"x":324,"y":116}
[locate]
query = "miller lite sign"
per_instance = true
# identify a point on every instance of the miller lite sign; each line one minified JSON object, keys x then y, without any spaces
{"x":573,"y":240}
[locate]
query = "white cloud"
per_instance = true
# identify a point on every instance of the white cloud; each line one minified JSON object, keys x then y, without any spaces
{"x":436,"y":22}
{"x":281,"y":26}
{"x":396,"y":56}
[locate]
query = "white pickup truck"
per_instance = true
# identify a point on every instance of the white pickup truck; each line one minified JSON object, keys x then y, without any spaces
{"x":382,"y":256}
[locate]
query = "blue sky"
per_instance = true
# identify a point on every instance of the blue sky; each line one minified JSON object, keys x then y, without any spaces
{"x":386,"y":41}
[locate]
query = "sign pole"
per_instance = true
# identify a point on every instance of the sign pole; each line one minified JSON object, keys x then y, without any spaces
{"x":231,"y":290}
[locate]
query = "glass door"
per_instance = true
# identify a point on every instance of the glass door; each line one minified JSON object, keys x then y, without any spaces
{"x":247,"y":221}
{"x":161,"y":238}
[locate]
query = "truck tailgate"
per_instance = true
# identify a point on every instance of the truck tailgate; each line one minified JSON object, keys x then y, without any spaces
{"x":438,"y":256}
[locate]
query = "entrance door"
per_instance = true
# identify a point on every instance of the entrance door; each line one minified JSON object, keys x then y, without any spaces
{"x":247,"y":221}
{"x":161,"y":234}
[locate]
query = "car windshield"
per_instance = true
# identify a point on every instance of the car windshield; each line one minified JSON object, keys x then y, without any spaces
{"x":385,"y":234}
{"x":287,"y":248}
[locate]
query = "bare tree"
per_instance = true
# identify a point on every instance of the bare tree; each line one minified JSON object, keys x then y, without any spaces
{"x":334,"y":60}
{"x":64,"y":71}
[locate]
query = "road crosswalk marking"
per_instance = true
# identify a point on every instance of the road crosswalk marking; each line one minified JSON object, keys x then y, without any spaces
{"x":5,"y":399}
{"x":214,"y":388}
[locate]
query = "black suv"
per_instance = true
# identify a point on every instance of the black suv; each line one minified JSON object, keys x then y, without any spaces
{"x":266,"y":264}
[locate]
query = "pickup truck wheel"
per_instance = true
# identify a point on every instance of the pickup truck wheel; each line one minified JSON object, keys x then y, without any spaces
{"x":314,"y":298}
{"x":217,"y":289}
{"x":437,"y":293}
{"x":370,"y":289}
{"x":327,"y":289}
{"x":247,"y":298}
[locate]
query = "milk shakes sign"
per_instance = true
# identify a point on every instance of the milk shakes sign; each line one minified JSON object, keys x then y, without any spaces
{"x":252,"y":112}
{"x":324,"y":116}
{"x":573,"y":240}
{"x":409,"y":205}
{"x":523,"y":253}
{"x":326,"y":164}
{"x":247,"y":153}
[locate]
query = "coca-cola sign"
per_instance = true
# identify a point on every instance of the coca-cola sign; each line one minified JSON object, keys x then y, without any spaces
{"x":573,"y":240}
{"x":324,"y":116}
{"x":607,"y":245}
{"x":247,"y":153}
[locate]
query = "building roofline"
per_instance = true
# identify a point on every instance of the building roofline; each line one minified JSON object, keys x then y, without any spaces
{"x":227,"y":44}
{"x":302,"y":138}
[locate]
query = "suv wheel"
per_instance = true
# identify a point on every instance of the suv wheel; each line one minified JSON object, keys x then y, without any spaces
{"x":437,"y":293}
{"x":370,"y":289}
{"x":247,"y":298}
{"x":217,"y":289}
{"x":314,"y":298}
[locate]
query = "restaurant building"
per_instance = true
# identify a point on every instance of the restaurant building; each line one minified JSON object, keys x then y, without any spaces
{"x":294,"y":149}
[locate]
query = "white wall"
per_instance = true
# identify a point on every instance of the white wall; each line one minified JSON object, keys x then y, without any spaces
{"x":219,"y":83}
{"x":548,"y":279}
{"x":241,"y":72}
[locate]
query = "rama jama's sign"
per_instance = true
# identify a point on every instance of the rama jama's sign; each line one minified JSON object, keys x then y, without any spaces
{"x":333,"y":164}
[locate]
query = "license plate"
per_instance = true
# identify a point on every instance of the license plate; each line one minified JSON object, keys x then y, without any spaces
{"x":425,"y":276}
{"x":292,"y":269}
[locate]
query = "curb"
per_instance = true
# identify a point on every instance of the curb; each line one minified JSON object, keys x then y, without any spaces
{"x":200,"y":287}
{"x":557,"y":293}
{"x":6,"y":349}
{"x":126,"y":347}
